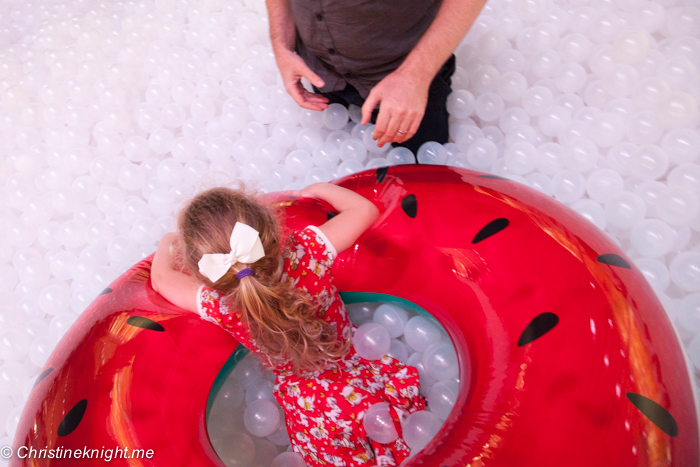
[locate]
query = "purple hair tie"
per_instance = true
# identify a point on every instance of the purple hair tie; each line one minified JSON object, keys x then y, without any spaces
{"x":243,"y":273}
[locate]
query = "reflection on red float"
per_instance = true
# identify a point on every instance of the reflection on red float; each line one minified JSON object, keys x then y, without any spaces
{"x":568,"y":357}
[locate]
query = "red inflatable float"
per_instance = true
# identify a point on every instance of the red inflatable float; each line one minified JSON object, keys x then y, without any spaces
{"x":571,"y":358}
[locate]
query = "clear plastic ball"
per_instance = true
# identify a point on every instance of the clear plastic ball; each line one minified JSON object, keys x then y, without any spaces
{"x":685,"y":271}
{"x":432,"y":153}
{"x":288,"y":459}
{"x":261,"y":417}
{"x":678,"y":110}
{"x":682,"y":145}
{"x":420,"y":333}
{"x":570,"y":77}
{"x":392,"y":317}
{"x":420,"y":428}
{"x":521,"y":158}
{"x":335,"y":117}
{"x":378,"y":423}
{"x":461,"y":103}
{"x":677,"y":206}
{"x":440,"y":361}
{"x":536,"y":100}
{"x":352,"y":149}
{"x":568,"y":186}
{"x":592,"y":211}
{"x":489,"y":106}
{"x":624,"y":210}
{"x":580,"y":155}
{"x":652,"y":238}
{"x":602,"y":184}
{"x":371,"y":341}
{"x":648,"y":162}
{"x":442,"y":398}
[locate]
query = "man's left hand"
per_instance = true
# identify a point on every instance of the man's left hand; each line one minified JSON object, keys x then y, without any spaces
{"x":403,"y":95}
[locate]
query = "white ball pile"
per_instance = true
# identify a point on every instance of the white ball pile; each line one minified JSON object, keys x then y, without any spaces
{"x":114,"y":112}
{"x":246,"y":424}
{"x":245,"y":417}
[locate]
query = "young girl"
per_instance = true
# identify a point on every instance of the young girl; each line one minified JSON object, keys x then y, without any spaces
{"x":276,"y":296}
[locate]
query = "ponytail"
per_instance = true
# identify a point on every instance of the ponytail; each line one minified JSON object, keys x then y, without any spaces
{"x":285,"y":326}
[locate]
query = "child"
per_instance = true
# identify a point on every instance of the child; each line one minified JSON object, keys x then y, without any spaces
{"x":278,"y":299}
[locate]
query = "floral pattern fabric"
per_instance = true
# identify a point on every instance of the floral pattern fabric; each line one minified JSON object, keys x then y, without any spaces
{"x":324,"y":410}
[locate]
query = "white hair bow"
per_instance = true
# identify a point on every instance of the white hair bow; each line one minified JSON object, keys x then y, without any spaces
{"x":246,"y":247}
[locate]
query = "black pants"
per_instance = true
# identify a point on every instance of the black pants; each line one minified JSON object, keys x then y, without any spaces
{"x":433,"y":127}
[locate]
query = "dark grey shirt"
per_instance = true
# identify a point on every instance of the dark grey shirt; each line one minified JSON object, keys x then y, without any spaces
{"x":359,"y":41}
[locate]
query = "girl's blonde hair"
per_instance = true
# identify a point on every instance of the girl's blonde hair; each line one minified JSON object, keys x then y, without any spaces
{"x":281,"y":321}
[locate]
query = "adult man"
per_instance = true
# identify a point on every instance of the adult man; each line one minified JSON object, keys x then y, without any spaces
{"x":397,"y":54}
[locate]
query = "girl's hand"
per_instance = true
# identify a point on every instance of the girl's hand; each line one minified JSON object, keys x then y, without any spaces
{"x":292,"y":192}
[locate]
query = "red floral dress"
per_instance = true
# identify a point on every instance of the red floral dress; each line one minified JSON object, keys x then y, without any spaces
{"x":324,"y":409}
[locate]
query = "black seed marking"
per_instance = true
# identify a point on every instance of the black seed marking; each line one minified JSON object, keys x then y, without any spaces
{"x":495,"y":177}
{"x":614,"y":260}
{"x":145,"y":323}
{"x":106,"y":291}
{"x":43,"y":375}
{"x":410,"y":206}
{"x":381,"y":173}
{"x":654,"y":412}
{"x":72,"y":419}
{"x":538,"y":327}
{"x":492,"y":228}
{"x":331,"y":215}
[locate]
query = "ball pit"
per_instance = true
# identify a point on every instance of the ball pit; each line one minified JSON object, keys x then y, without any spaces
{"x":485,"y":257}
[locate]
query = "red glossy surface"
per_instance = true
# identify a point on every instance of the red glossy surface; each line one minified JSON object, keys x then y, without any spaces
{"x":558,"y":400}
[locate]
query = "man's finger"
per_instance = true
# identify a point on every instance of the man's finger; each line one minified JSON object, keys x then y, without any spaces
{"x":368,"y":107}
{"x":309,"y":74}
{"x":413,"y":127}
{"x":390,"y":134}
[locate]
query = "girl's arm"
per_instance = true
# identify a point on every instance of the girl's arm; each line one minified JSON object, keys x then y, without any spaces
{"x":177,"y":287}
{"x":355,"y":213}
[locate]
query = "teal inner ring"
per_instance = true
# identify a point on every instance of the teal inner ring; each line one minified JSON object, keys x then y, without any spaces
{"x":348,"y":297}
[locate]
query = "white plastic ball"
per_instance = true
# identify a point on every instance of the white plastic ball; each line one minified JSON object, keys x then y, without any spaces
{"x":570,"y":77}
{"x":685,"y":271}
{"x":335,"y":117}
{"x":398,"y":350}
{"x":652,"y":238}
{"x":677,"y":206}
{"x":648,"y":162}
{"x":521,"y":158}
{"x":624,"y":210}
{"x":432,"y":153}
{"x":420,"y":428}
{"x":261,"y":417}
{"x":288,"y":459}
{"x":568,"y":186}
{"x":489,"y":106}
{"x":602,"y":184}
{"x":682,"y":145}
{"x":442,"y":398}
{"x":461,"y":103}
{"x":537,"y":99}
{"x":371,"y":341}
{"x":420,"y":333}
{"x":592,"y":211}
{"x":392,"y":318}
{"x":440,"y":361}
{"x":378,"y":423}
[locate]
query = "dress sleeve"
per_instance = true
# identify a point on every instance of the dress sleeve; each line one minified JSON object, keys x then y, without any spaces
{"x":211,"y":308}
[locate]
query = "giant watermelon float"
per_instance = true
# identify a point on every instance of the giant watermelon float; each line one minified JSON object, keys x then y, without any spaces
{"x":567,"y":358}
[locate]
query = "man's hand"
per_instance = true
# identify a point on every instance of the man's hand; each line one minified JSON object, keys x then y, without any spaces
{"x":403,"y":95}
{"x":293,"y":68}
